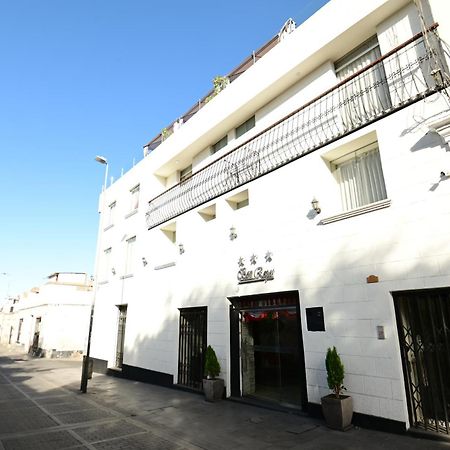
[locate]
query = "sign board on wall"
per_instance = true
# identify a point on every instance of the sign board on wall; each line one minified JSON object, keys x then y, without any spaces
{"x":255,"y":272}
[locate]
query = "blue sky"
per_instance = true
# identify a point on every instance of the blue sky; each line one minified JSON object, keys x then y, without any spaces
{"x":100,"y":77}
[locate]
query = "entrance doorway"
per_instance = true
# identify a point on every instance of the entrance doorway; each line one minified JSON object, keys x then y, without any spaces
{"x":423,"y":321}
{"x":192,"y":347}
{"x":121,"y":334}
{"x":19,"y":331}
{"x":36,"y":336}
{"x":266,"y":333}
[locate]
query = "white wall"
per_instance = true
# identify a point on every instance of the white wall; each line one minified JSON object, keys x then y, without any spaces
{"x":404,"y":244}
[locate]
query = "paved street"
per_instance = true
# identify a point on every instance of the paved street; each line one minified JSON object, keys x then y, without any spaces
{"x":42,"y":408}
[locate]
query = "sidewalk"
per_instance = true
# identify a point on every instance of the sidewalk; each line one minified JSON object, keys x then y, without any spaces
{"x":41,"y":407}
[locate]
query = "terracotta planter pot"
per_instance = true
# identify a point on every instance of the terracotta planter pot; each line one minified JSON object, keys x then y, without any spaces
{"x":213,"y":389}
{"x":338,"y":412}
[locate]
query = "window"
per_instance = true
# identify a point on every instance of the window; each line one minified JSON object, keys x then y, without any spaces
{"x":185,"y":173}
{"x":246,"y":126}
{"x":134,"y":196}
{"x":239,"y":200}
{"x":366,"y":95}
{"x":129,"y":264}
{"x":242,"y":204}
{"x":106,"y":264}
{"x":111,"y":214}
{"x":208,"y":213}
{"x":170,"y":231}
{"x":219,"y":145}
{"x":360,"y":177}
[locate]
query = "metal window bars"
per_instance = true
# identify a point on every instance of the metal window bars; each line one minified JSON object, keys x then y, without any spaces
{"x":424,"y":336}
{"x":406,"y":74}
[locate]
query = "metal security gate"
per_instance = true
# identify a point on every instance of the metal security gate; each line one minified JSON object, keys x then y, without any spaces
{"x":423,"y":320}
{"x":192,"y":346}
{"x":121,"y":335}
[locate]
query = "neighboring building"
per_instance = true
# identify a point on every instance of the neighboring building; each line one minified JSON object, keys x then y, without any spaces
{"x":52,"y":320}
{"x":8,"y":321}
{"x":216,"y":237}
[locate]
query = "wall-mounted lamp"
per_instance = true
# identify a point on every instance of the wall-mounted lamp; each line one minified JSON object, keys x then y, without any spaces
{"x":233,"y":234}
{"x":181,"y":248}
{"x":144,"y":261}
{"x":113,"y":271}
{"x":315,"y":205}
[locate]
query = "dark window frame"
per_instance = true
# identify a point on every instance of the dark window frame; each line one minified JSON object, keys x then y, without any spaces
{"x":245,"y":126}
{"x":220,"y":144}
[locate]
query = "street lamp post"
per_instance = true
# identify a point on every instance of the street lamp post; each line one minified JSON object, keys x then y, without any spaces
{"x":103,"y":160}
{"x":86,"y":359}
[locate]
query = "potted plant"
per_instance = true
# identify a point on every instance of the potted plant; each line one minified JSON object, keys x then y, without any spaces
{"x":212,"y":386}
{"x":336,"y":407}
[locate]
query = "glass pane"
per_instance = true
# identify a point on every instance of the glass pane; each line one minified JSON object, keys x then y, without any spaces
{"x":270,"y":355}
{"x":290,"y":392}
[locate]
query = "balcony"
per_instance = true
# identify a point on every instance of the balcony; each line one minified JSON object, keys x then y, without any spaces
{"x":407,"y":74}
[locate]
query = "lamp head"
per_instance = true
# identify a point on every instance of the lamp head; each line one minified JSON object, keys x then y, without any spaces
{"x":101,"y":159}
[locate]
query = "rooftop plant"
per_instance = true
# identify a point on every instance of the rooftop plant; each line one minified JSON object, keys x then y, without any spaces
{"x":219,"y":84}
{"x":165,"y":133}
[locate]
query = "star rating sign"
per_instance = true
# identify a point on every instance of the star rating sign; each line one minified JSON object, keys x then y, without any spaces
{"x":253,"y":259}
{"x":241,"y":262}
{"x":268,"y":256}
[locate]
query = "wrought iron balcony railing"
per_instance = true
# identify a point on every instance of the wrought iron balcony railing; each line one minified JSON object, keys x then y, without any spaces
{"x":409,"y":73}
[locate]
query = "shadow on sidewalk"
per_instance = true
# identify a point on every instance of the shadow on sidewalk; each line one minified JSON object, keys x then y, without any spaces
{"x":41,"y":406}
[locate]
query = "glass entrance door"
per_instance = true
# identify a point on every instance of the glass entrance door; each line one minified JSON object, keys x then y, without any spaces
{"x":270,"y":357}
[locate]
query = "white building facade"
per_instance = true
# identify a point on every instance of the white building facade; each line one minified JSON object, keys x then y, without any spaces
{"x":304,"y":206}
{"x":51,"y":320}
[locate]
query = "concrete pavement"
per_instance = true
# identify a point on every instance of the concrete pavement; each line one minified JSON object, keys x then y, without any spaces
{"x":41,"y":407}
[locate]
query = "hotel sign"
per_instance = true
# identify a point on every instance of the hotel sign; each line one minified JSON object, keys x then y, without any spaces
{"x":254,"y":273}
